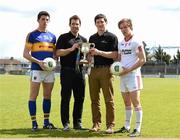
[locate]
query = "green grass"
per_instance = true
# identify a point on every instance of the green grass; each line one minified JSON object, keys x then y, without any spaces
{"x":160,"y":100}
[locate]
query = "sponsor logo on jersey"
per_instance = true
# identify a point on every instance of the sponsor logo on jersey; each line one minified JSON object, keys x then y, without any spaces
{"x":126,"y":51}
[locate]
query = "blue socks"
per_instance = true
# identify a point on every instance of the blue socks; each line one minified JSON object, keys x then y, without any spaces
{"x":32,"y":112}
{"x":46,"y":110}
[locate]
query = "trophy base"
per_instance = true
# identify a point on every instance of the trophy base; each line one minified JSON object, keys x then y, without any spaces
{"x":84,"y":62}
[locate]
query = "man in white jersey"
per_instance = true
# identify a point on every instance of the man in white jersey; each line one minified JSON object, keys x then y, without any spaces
{"x":132,"y":57}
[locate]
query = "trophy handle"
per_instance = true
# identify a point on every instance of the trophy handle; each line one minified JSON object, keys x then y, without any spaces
{"x":92,"y":45}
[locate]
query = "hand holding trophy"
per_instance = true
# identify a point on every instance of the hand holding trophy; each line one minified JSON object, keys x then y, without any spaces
{"x":85,"y":47}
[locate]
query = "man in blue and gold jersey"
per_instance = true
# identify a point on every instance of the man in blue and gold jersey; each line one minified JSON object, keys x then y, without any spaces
{"x":40,"y":44}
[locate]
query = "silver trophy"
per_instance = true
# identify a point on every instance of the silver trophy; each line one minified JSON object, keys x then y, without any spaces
{"x":85,"y":49}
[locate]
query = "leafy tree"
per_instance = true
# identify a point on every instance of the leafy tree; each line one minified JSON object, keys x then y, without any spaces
{"x":166,"y":58}
{"x":176,"y":59}
{"x":178,"y":55}
{"x":158,"y":55}
{"x":162,"y":56}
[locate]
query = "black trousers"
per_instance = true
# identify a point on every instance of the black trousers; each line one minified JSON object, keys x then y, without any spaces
{"x":72,"y":81}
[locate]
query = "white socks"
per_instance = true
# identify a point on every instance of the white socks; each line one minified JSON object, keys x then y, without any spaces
{"x":139,"y":114}
{"x":129,"y":113}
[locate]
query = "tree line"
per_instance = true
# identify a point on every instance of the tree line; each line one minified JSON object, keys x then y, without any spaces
{"x":161,"y":57}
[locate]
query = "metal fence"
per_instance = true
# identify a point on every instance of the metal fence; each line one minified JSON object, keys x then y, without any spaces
{"x":160,"y":69}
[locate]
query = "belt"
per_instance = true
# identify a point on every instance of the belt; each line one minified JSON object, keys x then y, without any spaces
{"x":71,"y":68}
{"x":68,"y":68}
{"x":101,"y":66}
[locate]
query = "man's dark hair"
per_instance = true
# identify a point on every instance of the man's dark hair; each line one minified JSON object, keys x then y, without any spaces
{"x":43,"y":13}
{"x":75,"y":17}
{"x":100,"y":16}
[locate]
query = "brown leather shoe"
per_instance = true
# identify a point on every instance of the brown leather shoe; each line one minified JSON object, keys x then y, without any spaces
{"x":109,"y":130}
{"x":95,"y":128}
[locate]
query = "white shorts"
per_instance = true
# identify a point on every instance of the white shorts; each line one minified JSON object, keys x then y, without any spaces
{"x":130,"y":83}
{"x":42,"y":76}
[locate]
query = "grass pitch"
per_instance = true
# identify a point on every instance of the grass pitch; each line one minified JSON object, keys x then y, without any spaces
{"x":160,"y":100}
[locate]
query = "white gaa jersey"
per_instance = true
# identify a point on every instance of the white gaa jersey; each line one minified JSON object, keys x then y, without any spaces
{"x":128,"y":51}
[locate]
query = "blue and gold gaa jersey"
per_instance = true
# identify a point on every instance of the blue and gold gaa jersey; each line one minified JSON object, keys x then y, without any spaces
{"x":41,"y":45}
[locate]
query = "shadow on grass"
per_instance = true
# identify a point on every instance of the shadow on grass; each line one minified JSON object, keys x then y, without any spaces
{"x":51,"y":133}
